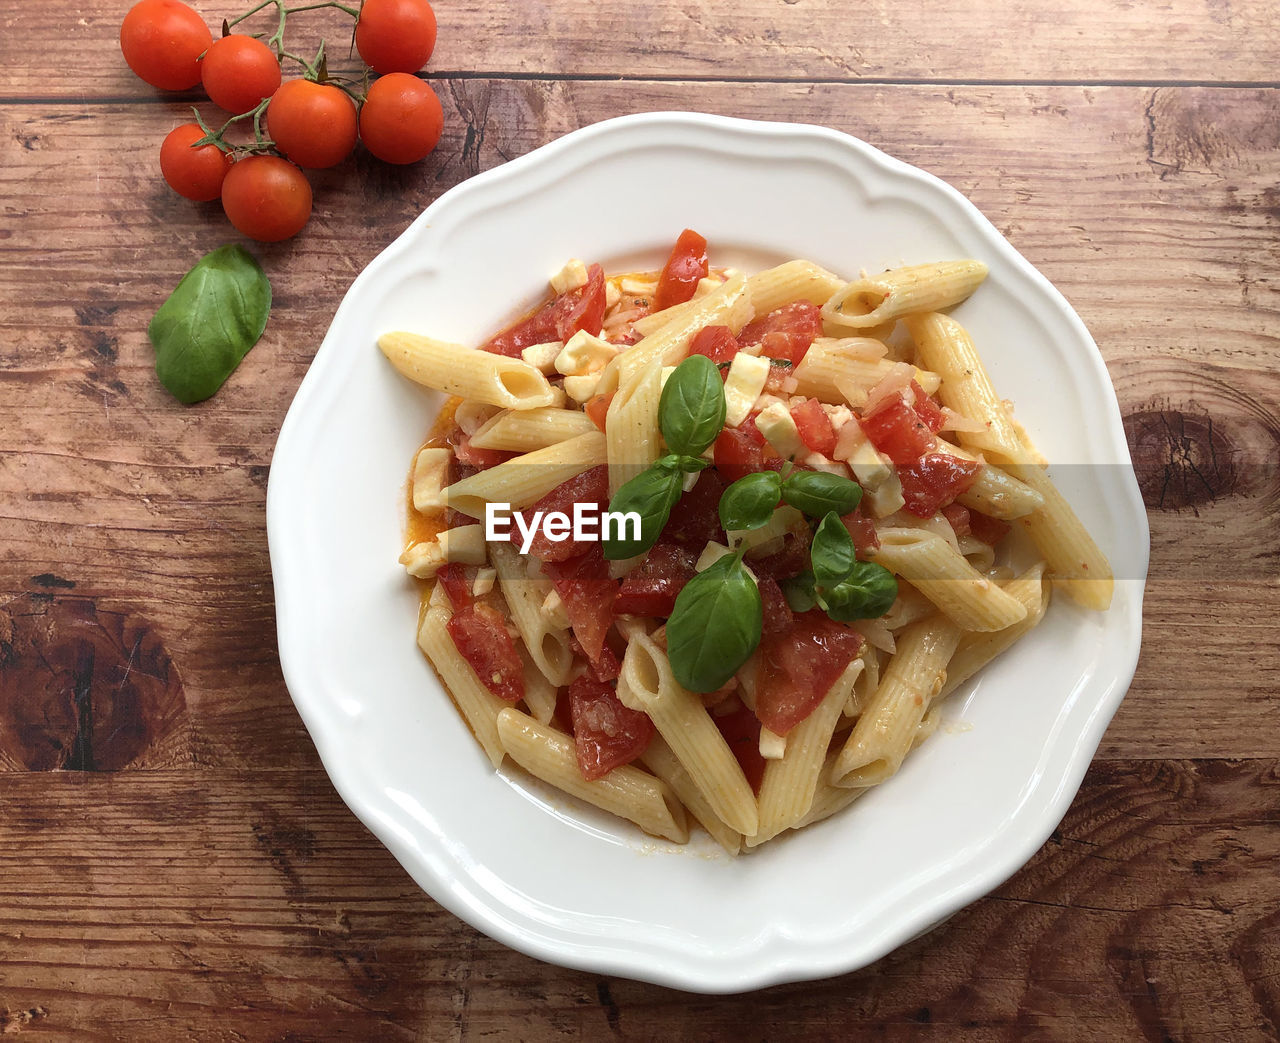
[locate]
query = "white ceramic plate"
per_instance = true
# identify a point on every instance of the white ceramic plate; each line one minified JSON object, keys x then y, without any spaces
{"x":540,"y":872}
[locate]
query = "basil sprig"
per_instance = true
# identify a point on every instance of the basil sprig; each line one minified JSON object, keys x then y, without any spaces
{"x":818,"y":493}
{"x":749,"y":502}
{"x":214,"y":316}
{"x":692,"y":408}
{"x":691,"y":412}
{"x":715,"y":625}
{"x":841,"y":585}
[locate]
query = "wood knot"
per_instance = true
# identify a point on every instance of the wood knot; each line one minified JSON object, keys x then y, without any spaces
{"x":86,"y":689}
{"x":1180,"y":459}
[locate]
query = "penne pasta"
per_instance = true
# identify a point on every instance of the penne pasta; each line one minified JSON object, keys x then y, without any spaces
{"x":474,"y":375}
{"x":521,"y":431}
{"x":526,"y":479}
{"x":878,"y":299}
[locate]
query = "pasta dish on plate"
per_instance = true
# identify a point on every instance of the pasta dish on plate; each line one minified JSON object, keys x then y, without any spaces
{"x":703,"y":546}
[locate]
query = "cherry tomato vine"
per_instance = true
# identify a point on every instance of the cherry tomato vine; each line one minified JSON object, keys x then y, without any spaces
{"x":313,"y":120}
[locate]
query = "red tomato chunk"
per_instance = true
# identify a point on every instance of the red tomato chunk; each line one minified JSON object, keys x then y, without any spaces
{"x":814,"y":426}
{"x":989,"y":530}
{"x":958,"y":518}
{"x":798,"y":666}
{"x":863,"y":530}
{"x":933,"y":481}
{"x":695,"y":518}
{"x":741,"y":730}
{"x":606,"y":733}
{"x":742,"y":450}
{"x":785,"y":333}
{"x":651,"y":588}
{"x":472,"y":456}
{"x":778,"y":616}
{"x":590,"y":488}
{"x":597,"y":409}
{"x":480,"y":634}
{"x":717,"y":343}
{"x":580,"y":309}
{"x":926,"y":409}
{"x":457,"y":580}
{"x":686,"y":265}
{"x":588,"y":594}
{"x":898,"y":432}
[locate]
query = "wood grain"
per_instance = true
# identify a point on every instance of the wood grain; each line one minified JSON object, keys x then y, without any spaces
{"x":190,"y":872}
{"x":1007,"y":41}
{"x":194,"y":899}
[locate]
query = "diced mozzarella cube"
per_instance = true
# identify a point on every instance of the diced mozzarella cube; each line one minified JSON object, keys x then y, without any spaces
{"x":871,"y":467}
{"x":768,"y":538}
{"x":821,"y":463}
{"x":483,"y":582}
{"x":570,"y":277}
{"x":886,"y":497}
{"x":838,"y":415}
{"x":423,"y":560}
{"x":584,"y":354}
{"x":464,"y":544}
{"x":542,"y":357}
{"x":779,"y":428}
{"x":773,"y":747}
{"x":581,"y":388}
{"x":430,"y":476}
{"x":612,"y":295}
{"x":553,"y":611}
{"x":742,"y":387}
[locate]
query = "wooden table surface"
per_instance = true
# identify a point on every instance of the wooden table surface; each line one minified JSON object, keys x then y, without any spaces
{"x":173,"y":861}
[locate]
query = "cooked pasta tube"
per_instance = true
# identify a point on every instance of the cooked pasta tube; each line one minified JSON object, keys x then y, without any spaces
{"x":793,"y":281}
{"x":626,"y":791}
{"x":936,"y":569}
{"x":945,"y":347}
{"x":887,"y":728}
{"x":786,"y":792}
{"x":477,"y":376}
{"x":830,"y":369}
{"x":877,"y":299}
{"x":478,"y":706}
{"x":547,"y":643}
{"x":632,"y":438}
{"x":1075,"y":562}
{"x":728,"y":306}
{"x":519,"y":431}
{"x":526,"y":479}
{"x":539,"y":693}
{"x":659,"y":759}
{"x":994,"y":492}
{"x":976,"y":650}
{"x":647,"y":683}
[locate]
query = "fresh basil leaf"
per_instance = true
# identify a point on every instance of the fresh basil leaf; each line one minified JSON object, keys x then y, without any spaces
{"x":214,"y":316}
{"x":832,"y":552}
{"x":685,"y":464}
{"x":651,"y":494}
{"x":867,"y":593}
{"x":749,"y":502}
{"x":715,"y":625}
{"x":691,"y":410}
{"x":817,"y":493}
{"x":799,"y":592}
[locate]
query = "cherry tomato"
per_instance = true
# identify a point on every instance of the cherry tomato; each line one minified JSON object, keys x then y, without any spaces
{"x":312,"y":123}
{"x":267,"y":198}
{"x":401,"y":119}
{"x":162,"y":41}
{"x":238,"y":72}
{"x":396,"y":35}
{"x":196,"y":173}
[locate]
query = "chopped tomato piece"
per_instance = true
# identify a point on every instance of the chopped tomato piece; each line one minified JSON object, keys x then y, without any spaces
{"x":989,"y":530}
{"x":686,"y":265}
{"x":790,"y":561}
{"x":597,"y":408}
{"x":779,"y":380}
{"x":927,"y":409}
{"x":785,"y":333}
{"x":863,"y":530}
{"x":560,"y":319}
{"x":480,"y":634}
{"x":481,"y":459}
{"x":651,"y":588}
{"x":777,"y":613}
{"x":742,"y":450}
{"x":590,"y":488}
{"x":814,"y":426}
{"x":695,"y":518}
{"x":741,"y":730}
{"x":958,"y":518}
{"x":799,"y":665}
{"x":898,"y":432}
{"x":716,"y":342}
{"x":606,"y":733}
{"x":588,"y":594}
{"x":457,"y":580}
{"x":933,"y":481}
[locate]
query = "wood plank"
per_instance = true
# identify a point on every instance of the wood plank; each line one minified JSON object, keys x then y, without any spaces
{"x":1201,"y":41}
{"x":196,"y":898}
{"x":1159,"y":221}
